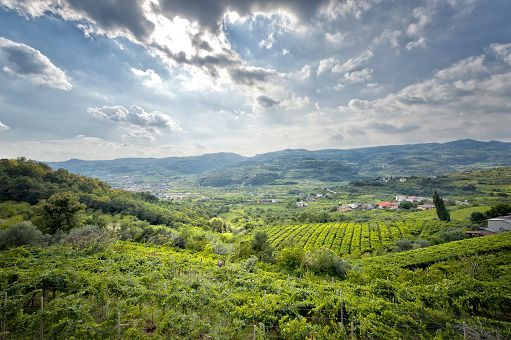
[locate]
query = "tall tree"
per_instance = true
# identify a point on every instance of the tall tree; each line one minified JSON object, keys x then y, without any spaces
{"x":441,"y":210}
{"x":60,"y":212}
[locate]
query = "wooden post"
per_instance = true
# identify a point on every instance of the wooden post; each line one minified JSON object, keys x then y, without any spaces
{"x":422,"y":310}
{"x":342,"y":311}
{"x":352,"y":331}
{"x":41,"y":325}
{"x":465,"y":331}
{"x":254,"y":332}
{"x":4,"y":320}
{"x":118,"y":324}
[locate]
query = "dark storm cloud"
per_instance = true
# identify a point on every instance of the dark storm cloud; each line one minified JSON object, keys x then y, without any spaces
{"x":116,"y":14}
{"x":209,"y":12}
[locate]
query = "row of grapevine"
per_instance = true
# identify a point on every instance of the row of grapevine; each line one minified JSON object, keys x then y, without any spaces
{"x":344,"y":238}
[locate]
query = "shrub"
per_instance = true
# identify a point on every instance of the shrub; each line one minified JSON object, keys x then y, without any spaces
{"x":403,"y":244}
{"x":324,"y":261}
{"x":290,"y":258}
{"x":23,"y":233}
{"x":89,"y":236}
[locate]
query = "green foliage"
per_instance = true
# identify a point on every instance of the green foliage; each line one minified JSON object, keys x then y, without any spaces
{"x":61,"y":212}
{"x":290,"y":258}
{"x":217,"y":224}
{"x":20,"y":234}
{"x":323,"y":261}
{"x":261,"y":246}
{"x":478,"y":217}
{"x":89,"y":236}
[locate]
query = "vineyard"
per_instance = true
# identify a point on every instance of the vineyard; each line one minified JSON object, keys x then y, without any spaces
{"x":347,"y":237}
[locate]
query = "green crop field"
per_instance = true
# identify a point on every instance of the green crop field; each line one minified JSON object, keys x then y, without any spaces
{"x":346,"y":237}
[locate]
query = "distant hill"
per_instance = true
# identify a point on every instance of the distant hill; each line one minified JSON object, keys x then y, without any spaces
{"x":149,"y":169}
{"x":294,"y":165}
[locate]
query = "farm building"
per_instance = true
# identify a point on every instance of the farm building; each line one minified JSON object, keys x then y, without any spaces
{"x":499,"y":224}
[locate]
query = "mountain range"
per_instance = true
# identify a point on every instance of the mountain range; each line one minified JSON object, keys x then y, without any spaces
{"x":295,"y":165}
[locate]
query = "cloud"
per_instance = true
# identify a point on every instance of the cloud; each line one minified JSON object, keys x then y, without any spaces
{"x":355,"y":8}
{"x":250,"y":75}
{"x":295,"y":102}
{"x":353,"y":63}
{"x":267,"y":102}
{"x":465,"y":69}
{"x":210,"y":13}
{"x":113,"y":17}
{"x":389,"y":128}
{"x":3,"y":127}
{"x":466,"y":97}
{"x":333,"y":65}
{"x":149,"y":77}
{"x":138,"y":136}
{"x":389,"y":36}
{"x":359,"y":76}
{"x":421,"y":42}
{"x":25,"y":62}
{"x":502,"y":51}
{"x":135,"y":115}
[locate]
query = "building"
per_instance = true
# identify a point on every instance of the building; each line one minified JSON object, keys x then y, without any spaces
{"x":385,"y":205}
{"x":401,"y":198}
{"x":499,"y":224}
{"x":426,"y":206}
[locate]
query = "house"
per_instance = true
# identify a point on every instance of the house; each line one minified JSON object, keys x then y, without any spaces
{"x":401,"y":198}
{"x":385,"y":205}
{"x":411,"y":199}
{"x":354,"y":205}
{"x":499,"y":224}
{"x":426,"y":206}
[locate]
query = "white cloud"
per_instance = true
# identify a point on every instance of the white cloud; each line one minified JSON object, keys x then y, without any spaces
{"x":135,"y":115}
{"x":353,"y":63}
{"x":3,"y":127}
{"x":25,"y":62}
{"x":390,"y":37}
{"x":466,"y":68}
{"x":149,"y":77}
{"x":337,"y":38}
{"x":359,"y":76}
{"x":333,"y":65}
{"x":421,"y":42}
{"x":464,"y":99}
{"x":295,"y":103}
{"x":502,"y":51}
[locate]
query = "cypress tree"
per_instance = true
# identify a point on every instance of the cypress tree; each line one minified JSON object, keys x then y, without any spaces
{"x":441,"y":210}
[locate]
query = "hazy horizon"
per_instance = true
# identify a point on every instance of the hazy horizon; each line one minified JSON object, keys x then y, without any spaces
{"x":158,"y":78}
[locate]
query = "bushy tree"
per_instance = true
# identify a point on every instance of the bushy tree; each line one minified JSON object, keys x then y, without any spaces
{"x":441,"y":210}
{"x":477,"y":217}
{"x":290,"y":257}
{"x":23,"y":233}
{"x":325,"y":261}
{"x":61,"y":212}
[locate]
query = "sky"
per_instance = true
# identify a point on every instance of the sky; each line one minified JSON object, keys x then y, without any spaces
{"x":155,"y":78}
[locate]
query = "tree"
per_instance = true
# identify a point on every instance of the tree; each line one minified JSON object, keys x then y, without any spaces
{"x":60,"y":212}
{"x":478,"y":217}
{"x":261,"y":246}
{"x":441,"y":211}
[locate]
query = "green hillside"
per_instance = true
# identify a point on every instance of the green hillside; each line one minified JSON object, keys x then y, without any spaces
{"x":81,"y":260}
{"x":295,"y":166}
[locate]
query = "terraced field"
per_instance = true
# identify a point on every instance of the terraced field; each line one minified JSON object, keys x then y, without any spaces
{"x":343,"y":238}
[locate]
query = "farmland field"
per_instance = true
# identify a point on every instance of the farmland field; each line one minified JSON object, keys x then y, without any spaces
{"x":345,"y":238}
